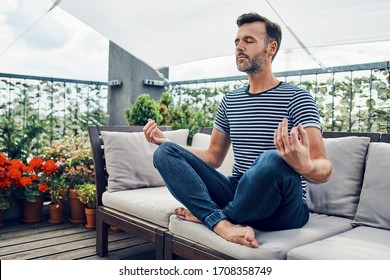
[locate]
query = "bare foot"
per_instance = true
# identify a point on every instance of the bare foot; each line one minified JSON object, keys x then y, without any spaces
{"x":185,"y":214}
{"x":244,"y":235}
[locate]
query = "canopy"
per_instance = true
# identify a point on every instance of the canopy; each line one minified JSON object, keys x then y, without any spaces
{"x":171,"y":32}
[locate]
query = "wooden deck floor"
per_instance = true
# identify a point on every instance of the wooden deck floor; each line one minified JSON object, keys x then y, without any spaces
{"x":66,"y":241}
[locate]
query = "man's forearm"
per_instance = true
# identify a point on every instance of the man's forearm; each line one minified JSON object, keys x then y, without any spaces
{"x":321,"y":171}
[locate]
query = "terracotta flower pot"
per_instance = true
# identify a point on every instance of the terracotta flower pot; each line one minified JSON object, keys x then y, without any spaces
{"x":32,"y":211}
{"x":77,"y":208}
{"x":91,"y":218}
{"x":56,"y":212}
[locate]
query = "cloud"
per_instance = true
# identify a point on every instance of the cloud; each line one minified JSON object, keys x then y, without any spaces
{"x":44,"y":31}
{"x":58,"y":45}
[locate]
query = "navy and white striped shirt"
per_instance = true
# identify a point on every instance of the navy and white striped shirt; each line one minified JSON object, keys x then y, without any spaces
{"x":251,"y":119}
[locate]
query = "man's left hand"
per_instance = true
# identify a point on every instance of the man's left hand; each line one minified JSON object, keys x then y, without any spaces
{"x":294,"y":147}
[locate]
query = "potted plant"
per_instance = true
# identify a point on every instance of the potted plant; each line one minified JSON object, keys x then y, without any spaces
{"x":31,"y":184}
{"x":87,"y":195}
{"x":58,"y":193}
{"x":78,"y":169}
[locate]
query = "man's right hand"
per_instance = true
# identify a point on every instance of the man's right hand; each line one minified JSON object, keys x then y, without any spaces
{"x":153,"y":134}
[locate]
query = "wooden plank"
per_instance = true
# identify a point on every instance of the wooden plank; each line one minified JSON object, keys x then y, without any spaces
{"x":27,"y":230}
{"x":63,"y":244}
{"x":35,"y":236}
{"x":32,"y":249}
{"x":67,"y":242}
{"x":90,"y":251}
{"x":45,"y":246}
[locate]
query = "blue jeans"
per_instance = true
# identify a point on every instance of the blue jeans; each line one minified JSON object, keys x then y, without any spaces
{"x":267,"y":197}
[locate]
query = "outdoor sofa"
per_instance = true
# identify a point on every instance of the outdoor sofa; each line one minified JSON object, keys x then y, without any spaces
{"x":349,"y":219}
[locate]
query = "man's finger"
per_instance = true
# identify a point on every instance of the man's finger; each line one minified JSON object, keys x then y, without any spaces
{"x":303,"y":135}
{"x":294,"y":136}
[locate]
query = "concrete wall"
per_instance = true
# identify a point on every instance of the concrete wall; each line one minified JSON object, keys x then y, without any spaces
{"x":132,"y":72}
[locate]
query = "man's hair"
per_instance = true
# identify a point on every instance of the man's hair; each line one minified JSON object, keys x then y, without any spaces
{"x":274,"y":32}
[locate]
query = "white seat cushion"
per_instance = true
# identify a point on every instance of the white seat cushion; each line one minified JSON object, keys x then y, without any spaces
{"x":360,"y":243}
{"x":151,"y":204}
{"x":273,"y":244}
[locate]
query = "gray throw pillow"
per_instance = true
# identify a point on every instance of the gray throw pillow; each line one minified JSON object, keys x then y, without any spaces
{"x":129,"y":159}
{"x":339,"y":196}
{"x":374,"y":205}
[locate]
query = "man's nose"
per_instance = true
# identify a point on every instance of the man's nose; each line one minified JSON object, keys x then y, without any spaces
{"x":240,"y":47}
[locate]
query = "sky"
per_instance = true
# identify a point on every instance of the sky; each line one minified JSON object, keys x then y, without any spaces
{"x":56,"y":44}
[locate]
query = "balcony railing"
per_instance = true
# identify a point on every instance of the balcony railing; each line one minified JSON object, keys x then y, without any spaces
{"x":349,"y":98}
{"x":65,"y":106}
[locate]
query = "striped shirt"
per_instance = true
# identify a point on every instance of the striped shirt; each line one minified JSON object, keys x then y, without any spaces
{"x":251,"y":119}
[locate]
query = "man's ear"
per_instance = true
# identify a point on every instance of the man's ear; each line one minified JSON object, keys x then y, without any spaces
{"x":272,"y":47}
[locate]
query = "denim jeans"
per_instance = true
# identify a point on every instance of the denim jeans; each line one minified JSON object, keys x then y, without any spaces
{"x":267,"y":197}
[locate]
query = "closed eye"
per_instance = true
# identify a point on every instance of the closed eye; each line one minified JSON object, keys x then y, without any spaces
{"x":247,"y":40}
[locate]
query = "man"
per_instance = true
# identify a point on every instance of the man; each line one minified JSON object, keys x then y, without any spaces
{"x":276,"y":135}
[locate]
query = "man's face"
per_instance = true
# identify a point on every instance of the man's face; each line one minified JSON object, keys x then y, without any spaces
{"x":251,"y":47}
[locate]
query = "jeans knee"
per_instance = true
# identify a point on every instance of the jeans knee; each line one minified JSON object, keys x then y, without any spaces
{"x":161,"y":152}
{"x":271,"y":157}
{"x":273,"y":163}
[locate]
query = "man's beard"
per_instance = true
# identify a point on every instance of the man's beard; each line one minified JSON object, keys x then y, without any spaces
{"x":254,"y":65}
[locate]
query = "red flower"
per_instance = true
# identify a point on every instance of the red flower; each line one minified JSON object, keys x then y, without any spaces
{"x":25,"y":181}
{"x":17,"y":164}
{"x":14,"y":173}
{"x":43,"y":188}
{"x":36,"y":163}
{"x":5,"y":182}
{"x":49,"y":167}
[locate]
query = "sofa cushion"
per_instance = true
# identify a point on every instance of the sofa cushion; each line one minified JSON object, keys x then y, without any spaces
{"x":150,"y":204}
{"x":374,"y":205}
{"x":273,"y":244}
{"x":129,"y":159}
{"x":340,"y":194}
{"x":361,"y":243}
{"x":202,"y":140}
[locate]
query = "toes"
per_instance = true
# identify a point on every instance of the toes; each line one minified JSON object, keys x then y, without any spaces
{"x":178,"y":211}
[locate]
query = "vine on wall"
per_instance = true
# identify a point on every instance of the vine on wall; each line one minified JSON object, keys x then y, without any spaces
{"x":358,"y":101}
{"x":33,"y":111}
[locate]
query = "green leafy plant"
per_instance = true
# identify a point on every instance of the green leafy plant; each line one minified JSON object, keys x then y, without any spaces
{"x":186,"y":117}
{"x":5,"y":199}
{"x":58,"y":189}
{"x":34,"y":111}
{"x":21,"y":143}
{"x":165,"y":105}
{"x":79,"y":170}
{"x":143,"y":108}
{"x":87,"y":194}
{"x":74,"y":156}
